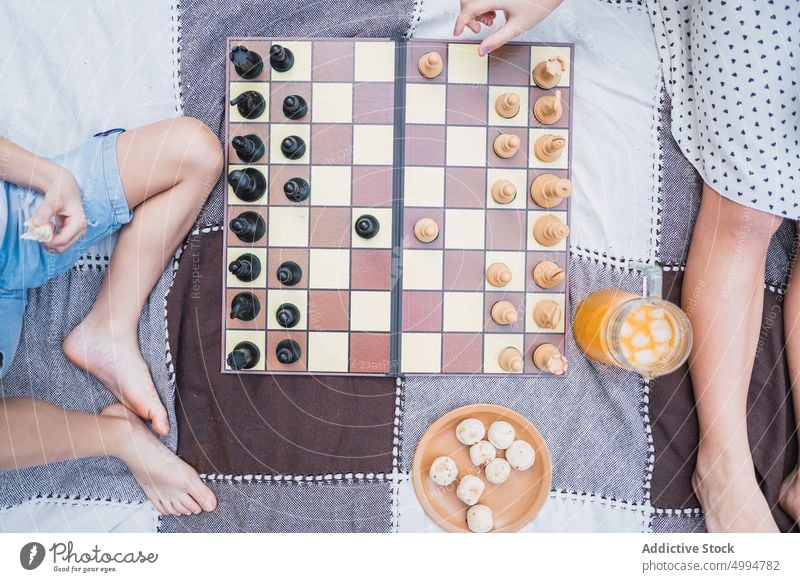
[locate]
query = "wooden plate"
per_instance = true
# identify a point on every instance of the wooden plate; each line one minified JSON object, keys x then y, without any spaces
{"x":514,"y":503}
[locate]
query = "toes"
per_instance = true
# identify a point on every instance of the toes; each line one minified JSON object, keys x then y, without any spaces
{"x":180,"y":508}
{"x":160,"y":421}
{"x":159,"y":505}
{"x":170,"y":508}
{"x":205,"y":497}
{"x":190,"y":504}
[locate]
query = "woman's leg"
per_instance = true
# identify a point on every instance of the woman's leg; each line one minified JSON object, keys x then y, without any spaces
{"x":34,"y":432}
{"x":167,"y":170}
{"x":790,"y":490}
{"x":723,"y":292}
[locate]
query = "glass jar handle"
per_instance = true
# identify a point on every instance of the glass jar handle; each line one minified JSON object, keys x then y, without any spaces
{"x":652,"y":279}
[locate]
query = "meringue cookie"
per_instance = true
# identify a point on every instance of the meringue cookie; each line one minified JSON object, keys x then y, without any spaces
{"x":521,"y":455}
{"x":481,"y":453}
{"x":470,"y":489}
{"x":443,"y":471}
{"x":497,"y":471}
{"x":480,"y":519}
{"x":501,"y":434}
{"x":469,"y":431}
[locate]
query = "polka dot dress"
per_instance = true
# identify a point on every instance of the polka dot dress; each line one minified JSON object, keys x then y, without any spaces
{"x":731,"y":68}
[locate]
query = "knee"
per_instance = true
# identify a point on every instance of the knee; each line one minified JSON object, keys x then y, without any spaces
{"x":203,"y":154}
{"x":729,"y":219}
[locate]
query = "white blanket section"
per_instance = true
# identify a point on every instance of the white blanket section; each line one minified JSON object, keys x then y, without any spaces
{"x":78,"y":516}
{"x":615,"y":120}
{"x":68,"y":70}
{"x":563,"y":512}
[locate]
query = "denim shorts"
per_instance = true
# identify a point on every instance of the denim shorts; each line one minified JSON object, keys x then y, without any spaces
{"x":25,"y":264}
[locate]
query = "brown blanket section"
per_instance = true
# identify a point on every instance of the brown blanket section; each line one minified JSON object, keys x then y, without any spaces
{"x":259,"y":424}
{"x":771,"y":421}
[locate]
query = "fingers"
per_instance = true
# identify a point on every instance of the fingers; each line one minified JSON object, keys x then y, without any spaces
{"x":504,"y":34}
{"x":487,"y":19}
{"x":72,"y":230}
{"x":470,"y":11}
{"x":43,"y":214}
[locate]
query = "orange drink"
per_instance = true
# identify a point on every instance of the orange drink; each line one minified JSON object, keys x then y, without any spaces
{"x":644,"y":334}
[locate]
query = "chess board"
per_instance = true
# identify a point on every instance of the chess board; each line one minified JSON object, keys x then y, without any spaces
{"x":383,"y":141}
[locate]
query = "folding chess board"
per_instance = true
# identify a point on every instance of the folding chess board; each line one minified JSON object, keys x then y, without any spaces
{"x":337,"y":278}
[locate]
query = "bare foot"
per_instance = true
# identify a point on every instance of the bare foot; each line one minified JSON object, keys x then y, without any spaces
{"x":117,"y":363}
{"x":171,"y":485}
{"x":789,"y":498}
{"x":731,"y":499}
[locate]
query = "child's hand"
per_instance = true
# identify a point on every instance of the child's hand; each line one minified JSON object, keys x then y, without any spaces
{"x":62,"y":202}
{"x":521,"y":15}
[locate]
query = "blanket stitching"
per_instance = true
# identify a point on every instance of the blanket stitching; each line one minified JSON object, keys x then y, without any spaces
{"x":681,"y":267}
{"x":299,"y":479}
{"x":397,"y":446}
{"x":651,"y":450}
{"x":91,"y":262}
{"x":677,"y":512}
{"x":46,"y":497}
{"x":175,"y":25}
{"x":416,"y":16}
{"x":657,"y":200}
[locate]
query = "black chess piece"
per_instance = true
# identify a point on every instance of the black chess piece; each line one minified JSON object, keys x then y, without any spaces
{"x":296,"y":189}
{"x":287,"y":315}
{"x":295,"y":107}
{"x":250,"y":104}
{"x":281,"y":58}
{"x":367,"y":226}
{"x":289,"y":273}
{"x":293,"y":147}
{"x":246,"y":268}
{"x":245,"y":355}
{"x":245,"y":306}
{"x":248,"y":227}
{"x":248,"y":184}
{"x":288,"y":351}
{"x":249,"y":148}
{"x":248,"y":64}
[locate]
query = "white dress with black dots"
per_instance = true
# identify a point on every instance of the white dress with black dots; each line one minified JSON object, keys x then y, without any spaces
{"x":731,"y":69}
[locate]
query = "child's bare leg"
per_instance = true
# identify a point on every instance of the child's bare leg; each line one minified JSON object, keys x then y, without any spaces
{"x":34,"y":432}
{"x":790,"y":490}
{"x":723,"y":295}
{"x":167,"y":170}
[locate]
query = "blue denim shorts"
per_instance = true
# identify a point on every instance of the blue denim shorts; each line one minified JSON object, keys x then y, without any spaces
{"x":25,"y":264}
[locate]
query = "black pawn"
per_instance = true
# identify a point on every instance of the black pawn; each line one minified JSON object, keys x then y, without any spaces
{"x":293,"y":147}
{"x":246,"y":268}
{"x":289,"y":273}
{"x":248,"y":227}
{"x":280,"y":58}
{"x":295,"y":107}
{"x":250,"y":104}
{"x":248,"y":64}
{"x":248,"y":184}
{"x":288,"y":351}
{"x":367,"y":226}
{"x":249,"y":148}
{"x":245,"y":306}
{"x":287,"y":315}
{"x":244,"y":356}
{"x":296,"y":189}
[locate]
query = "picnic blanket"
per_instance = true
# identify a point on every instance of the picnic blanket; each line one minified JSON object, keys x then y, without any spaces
{"x":334,"y":454}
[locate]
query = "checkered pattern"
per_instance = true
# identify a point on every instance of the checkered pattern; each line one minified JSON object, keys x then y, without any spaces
{"x":351,"y":293}
{"x":344,"y":295}
{"x":450,"y":168}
